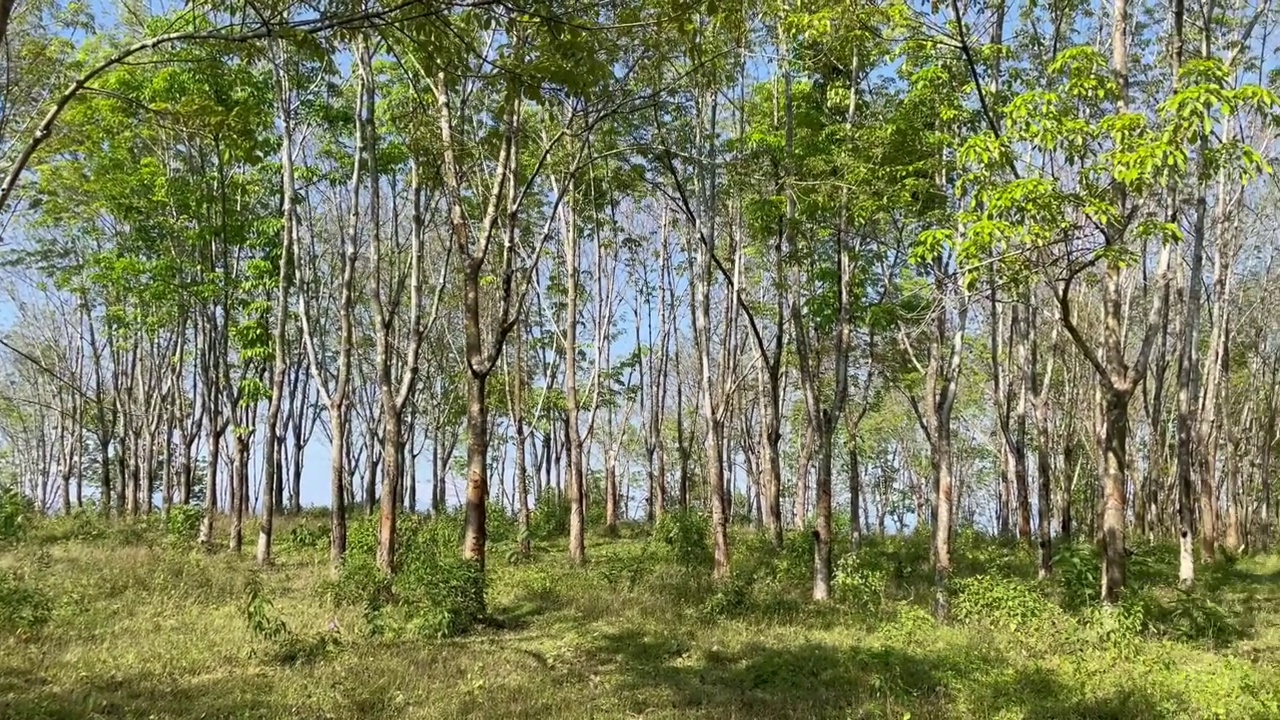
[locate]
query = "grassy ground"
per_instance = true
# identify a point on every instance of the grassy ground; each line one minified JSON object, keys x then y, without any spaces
{"x":141,"y":628}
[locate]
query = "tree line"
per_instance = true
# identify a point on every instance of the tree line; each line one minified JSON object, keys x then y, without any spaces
{"x":846,"y":267}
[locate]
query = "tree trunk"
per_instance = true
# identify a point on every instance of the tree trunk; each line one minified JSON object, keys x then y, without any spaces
{"x":337,"y":484}
{"x":271,"y":467}
{"x":715,"y":478}
{"x":611,"y":497}
{"x":239,"y":488}
{"x":822,"y":530}
{"x":1114,"y":467}
{"x":1188,"y":396}
{"x":393,"y":454}
{"x":800,"y":511}
{"x":474,"y":542}
{"x":1039,"y":384}
{"x":573,"y":433}
{"x":855,"y":494}
{"x":942,"y":513}
{"x":1018,"y":425}
{"x":216,"y":430}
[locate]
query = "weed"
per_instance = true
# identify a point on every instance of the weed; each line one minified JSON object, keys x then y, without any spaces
{"x":687,"y":534}
{"x":731,"y":598}
{"x":1193,"y":617}
{"x":17,"y":513}
{"x":434,"y":593}
{"x":25,"y":609}
{"x":182,"y":524}
{"x":1077,"y":574}
{"x":860,"y":584}
{"x":550,"y":518}
{"x":1001,"y":602}
{"x":277,"y":642}
{"x":150,"y":629}
{"x":306,"y":536}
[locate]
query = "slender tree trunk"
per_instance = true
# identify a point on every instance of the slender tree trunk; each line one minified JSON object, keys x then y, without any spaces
{"x":337,"y":487}
{"x":1018,"y":424}
{"x":771,"y":474}
{"x":393,"y":454}
{"x":522,"y":442}
{"x":217,"y":427}
{"x":477,"y":470}
{"x":1039,"y":384}
{"x":573,"y":433}
{"x":822,"y":530}
{"x":271,"y":468}
{"x":801,"y":510}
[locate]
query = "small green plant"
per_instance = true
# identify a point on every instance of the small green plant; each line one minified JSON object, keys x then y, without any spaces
{"x":84,"y":524}
{"x":1193,"y":617}
{"x":501,"y":526}
{"x":1077,"y":574}
{"x":436,"y":598}
{"x":277,"y":641}
{"x":625,"y":569}
{"x":687,"y":534}
{"x":362,"y":536}
{"x":907,"y":621}
{"x":25,"y":609}
{"x":359,"y":583}
{"x":182,"y":524}
{"x":859,"y":583}
{"x":306,"y":536}
{"x":434,"y":592}
{"x":731,"y":598}
{"x":550,"y":518}
{"x":17,"y":513}
{"x":999,"y":601}
{"x":795,"y":561}
{"x":260,"y":614}
{"x":146,"y":531}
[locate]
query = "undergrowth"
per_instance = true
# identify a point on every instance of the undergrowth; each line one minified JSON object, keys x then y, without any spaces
{"x":103,"y":619}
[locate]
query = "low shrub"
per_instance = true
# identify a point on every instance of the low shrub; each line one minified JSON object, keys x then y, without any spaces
{"x":86,"y":524}
{"x":434,"y":592}
{"x":794,"y":562}
{"x":626,"y":569}
{"x":861,"y":582}
{"x":17,"y":514}
{"x":686,"y":534}
{"x":25,"y":609}
{"x":434,"y":597}
{"x":276,"y":641}
{"x":146,"y":530}
{"x":1077,"y":573}
{"x":906,"y":621}
{"x":182,"y":524}
{"x":1193,"y":617}
{"x":904,"y":558}
{"x":358,"y":583}
{"x":362,"y":536}
{"x":977,"y":553}
{"x":550,"y":518}
{"x":730,"y":598}
{"x":439,"y":534}
{"x":999,"y":601}
{"x":501,"y":527}
{"x":308,"y":535}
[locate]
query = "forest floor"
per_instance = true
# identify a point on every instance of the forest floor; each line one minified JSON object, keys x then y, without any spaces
{"x":124,"y":624}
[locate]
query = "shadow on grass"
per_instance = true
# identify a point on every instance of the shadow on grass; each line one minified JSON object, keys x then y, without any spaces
{"x":29,"y":697}
{"x":239,"y":694}
{"x":816,"y":680}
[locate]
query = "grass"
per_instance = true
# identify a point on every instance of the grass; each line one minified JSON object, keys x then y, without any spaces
{"x":141,"y":628}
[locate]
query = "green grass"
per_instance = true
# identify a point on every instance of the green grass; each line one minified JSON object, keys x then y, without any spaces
{"x":140,"y":628}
